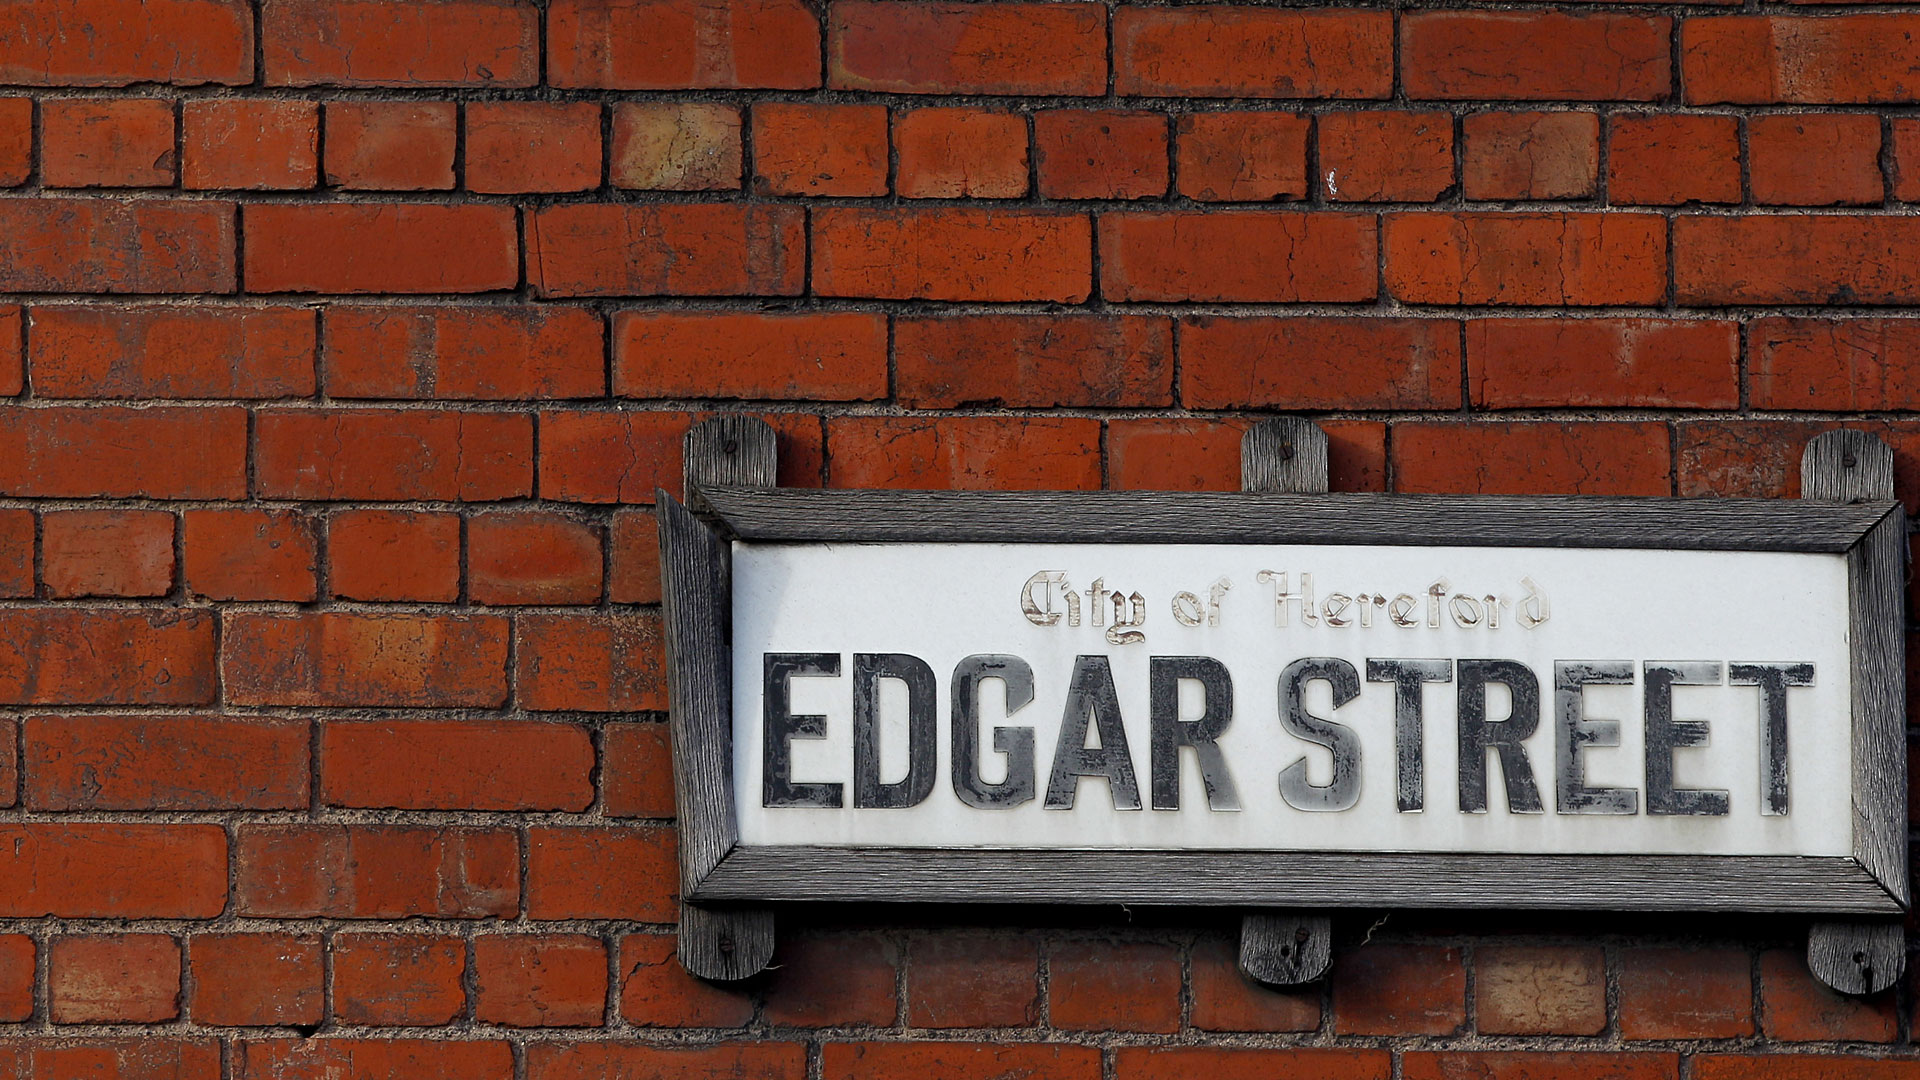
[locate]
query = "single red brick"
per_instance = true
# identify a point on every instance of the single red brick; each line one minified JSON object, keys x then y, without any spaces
{"x":113,"y":979}
{"x":9,"y":765}
{"x":165,"y":763}
{"x":675,"y":45}
{"x":467,"y":764}
{"x":116,"y":42}
{"x":349,"y":659}
{"x":635,"y":543}
{"x":1670,"y":159}
{"x":948,"y":48}
{"x":807,"y":149}
{"x":1239,"y":256}
{"x":833,"y":980}
{"x":1225,"y":1000}
{"x":636,"y":772}
{"x":1842,"y":364}
{"x":396,"y":43}
{"x":374,"y":872}
{"x":16,"y":978}
{"x":1098,"y":986}
{"x":961,"y":153}
{"x":1379,"y":156}
{"x":1539,"y":990}
{"x":1796,"y":1007}
{"x":393,"y":454}
{"x":1750,"y":458}
{"x":610,"y":457}
{"x":1531,"y":155}
{"x":409,"y":980}
{"x":1777,"y":1066}
{"x":533,"y":146}
{"x":952,"y":253}
{"x":829,"y":356}
{"x":1536,"y":56}
{"x":676,"y":146}
{"x":13,"y":350}
{"x":1219,"y":1063}
{"x":16,"y":553}
{"x":1100,"y":154}
{"x":1319,"y":362}
{"x":121,"y":351}
{"x":250,"y":555}
{"x":1399,"y":990}
{"x":1906,"y":159}
{"x":1546,"y":457}
{"x":1643,"y":363}
{"x":973,"y":980}
{"x":1204,"y":455}
{"x":489,"y":353}
{"x":1534,"y":259}
{"x":589,"y":663}
{"x":116,"y":246}
{"x":1759,"y":59}
{"x":394,"y":555}
{"x":373,"y":248}
{"x":101,"y":656}
{"x":597,"y":249}
{"x":604,"y":873}
{"x":113,"y":871}
{"x":598,"y":1060}
{"x":886,"y":1060}
{"x":1815,"y":160}
{"x":334,"y":1057}
{"x":1242,"y":156}
{"x":1685,"y":994}
{"x":548,"y":980}
{"x":1232,"y":51}
{"x":1795,"y":259}
{"x":655,"y":991}
{"x":1098,"y":361}
{"x":256,"y":980}
{"x":242,"y":144}
{"x":623,"y":457}
{"x":391,"y":145}
{"x":122,"y":142}
{"x":532,"y":558}
{"x":16,"y":140}
{"x":965,"y":453}
{"x":1564,"y":1065}
{"x":107,"y":552}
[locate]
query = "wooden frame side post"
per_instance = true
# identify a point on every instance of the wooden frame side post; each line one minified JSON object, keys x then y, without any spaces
{"x":723,"y":944}
{"x":1864,"y":956}
{"x":1285,"y":948}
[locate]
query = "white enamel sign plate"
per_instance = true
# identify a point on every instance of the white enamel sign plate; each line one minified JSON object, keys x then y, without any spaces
{"x":1677,"y":630}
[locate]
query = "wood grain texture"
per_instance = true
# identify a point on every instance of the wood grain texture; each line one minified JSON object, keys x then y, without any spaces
{"x":694,"y":569}
{"x":1154,"y":517}
{"x":1279,"y":948}
{"x":1863,"y":957}
{"x":1846,"y":467}
{"x":1857,"y":956}
{"x":1285,"y":454}
{"x":696,"y":564}
{"x":1299,"y":879}
{"x":729,"y":451}
{"x":1285,"y":948}
{"x":725,"y":944}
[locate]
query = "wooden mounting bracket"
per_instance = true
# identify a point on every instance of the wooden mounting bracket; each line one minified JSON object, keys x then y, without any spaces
{"x":1285,"y":948}
{"x":1859,"y":956}
{"x":727,"y":944}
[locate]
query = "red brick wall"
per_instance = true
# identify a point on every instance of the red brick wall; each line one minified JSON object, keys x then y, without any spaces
{"x":345,"y":343}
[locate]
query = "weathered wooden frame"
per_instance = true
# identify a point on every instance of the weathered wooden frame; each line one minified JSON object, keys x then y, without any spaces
{"x":717,"y":871}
